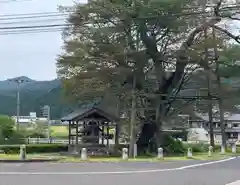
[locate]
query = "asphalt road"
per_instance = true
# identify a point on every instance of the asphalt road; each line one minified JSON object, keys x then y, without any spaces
{"x":141,"y":173}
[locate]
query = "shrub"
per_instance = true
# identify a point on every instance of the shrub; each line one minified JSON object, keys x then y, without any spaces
{"x":173,"y":146}
{"x":200,"y":147}
{"x":35,"y":148}
{"x":35,"y":134}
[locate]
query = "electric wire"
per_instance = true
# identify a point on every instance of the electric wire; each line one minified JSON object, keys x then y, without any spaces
{"x":29,"y":14}
{"x":32,"y":17}
{"x":13,"y":1}
{"x":32,"y":31}
{"x":47,"y":27}
{"x":53,"y":14}
{"x":32,"y":21}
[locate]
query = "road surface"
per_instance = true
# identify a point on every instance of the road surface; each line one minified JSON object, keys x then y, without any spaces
{"x":123,"y":173}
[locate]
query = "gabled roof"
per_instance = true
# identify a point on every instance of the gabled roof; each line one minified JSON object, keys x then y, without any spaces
{"x":86,"y":111}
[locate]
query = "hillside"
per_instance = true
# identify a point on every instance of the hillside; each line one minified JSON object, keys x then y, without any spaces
{"x":33,"y":95}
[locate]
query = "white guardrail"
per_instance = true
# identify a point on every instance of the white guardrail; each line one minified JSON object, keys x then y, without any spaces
{"x":65,"y":141}
{"x":56,"y":141}
{"x":46,"y":140}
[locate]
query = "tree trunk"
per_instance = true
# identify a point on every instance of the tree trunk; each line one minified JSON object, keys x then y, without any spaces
{"x":158,"y":136}
{"x":133,"y":119}
{"x":221,"y":112}
{"x":210,"y":116}
{"x":117,"y":129}
{"x":209,"y":84}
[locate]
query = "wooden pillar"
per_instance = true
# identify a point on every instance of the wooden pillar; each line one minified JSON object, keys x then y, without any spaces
{"x":77,"y":132}
{"x":108,"y":134}
{"x":69,"y":132}
{"x":84,"y":126}
{"x":102,"y":132}
{"x":98,"y":124}
{"x":116,"y":135}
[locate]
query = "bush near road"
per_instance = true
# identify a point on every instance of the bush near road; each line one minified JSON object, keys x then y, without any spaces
{"x":35,"y":148}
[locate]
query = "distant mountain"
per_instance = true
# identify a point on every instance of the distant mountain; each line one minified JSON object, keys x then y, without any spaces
{"x":33,"y":95}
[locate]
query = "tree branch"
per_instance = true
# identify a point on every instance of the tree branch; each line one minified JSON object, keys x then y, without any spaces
{"x":236,"y":38}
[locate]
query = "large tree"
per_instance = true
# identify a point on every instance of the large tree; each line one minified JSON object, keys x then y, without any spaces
{"x":114,"y":46}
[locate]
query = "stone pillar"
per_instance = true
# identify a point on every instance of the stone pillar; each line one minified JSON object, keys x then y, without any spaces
{"x":135,"y":151}
{"x":124,"y":154}
{"x":234,"y":148}
{"x":210,"y":150}
{"x":160,"y":153}
{"x":222,"y":149}
{"x":84,"y":154}
{"x":22,"y":152}
{"x":189,"y":153}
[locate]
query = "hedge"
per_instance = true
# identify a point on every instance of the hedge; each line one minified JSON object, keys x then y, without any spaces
{"x":35,"y":148}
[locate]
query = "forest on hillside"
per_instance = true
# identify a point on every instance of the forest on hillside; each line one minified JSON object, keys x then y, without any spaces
{"x":33,"y":97}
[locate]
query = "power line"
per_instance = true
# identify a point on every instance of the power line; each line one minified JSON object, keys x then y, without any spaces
{"x":31,"y":21}
{"x":32,"y":17}
{"x":47,"y":14}
{"x":30,"y":14}
{"x":35,"y":26}
{"x":32,"y":31}
{"x":19,"y":28}
{"x":13,"y":1}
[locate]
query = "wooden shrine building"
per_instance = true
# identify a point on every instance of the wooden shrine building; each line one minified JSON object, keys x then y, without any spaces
{"x":89,"y":126}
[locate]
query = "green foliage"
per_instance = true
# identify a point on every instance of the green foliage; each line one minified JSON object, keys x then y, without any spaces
{"x":35,"y":95}
{"x":35,"y":148}
{"x":173,"y":146}
{"x":100,"y":57}
{"x":8,"y":134}
{"x":200,"y":147}
{"x":6,"y":127}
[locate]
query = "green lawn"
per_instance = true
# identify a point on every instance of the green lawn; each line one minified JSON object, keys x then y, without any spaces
{"x":199,"y":156}
{"x":29,"y":156}
{"x":59,"y":131}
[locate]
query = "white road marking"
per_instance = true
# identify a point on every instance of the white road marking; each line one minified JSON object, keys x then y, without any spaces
{"x":117,"y":172}
{"x":234,"y":183}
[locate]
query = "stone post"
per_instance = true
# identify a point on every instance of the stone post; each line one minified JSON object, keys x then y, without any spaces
{"x":222,"y":149}
{"x":124,"y":154}
{"x":84,"y":154}
{"x":189,"y":153}
{"x":234,"y":148}
{"x":210,"y":150}
{"x":22,"y":152}
{"x":135,"y":151}
{"x":160,"y":153}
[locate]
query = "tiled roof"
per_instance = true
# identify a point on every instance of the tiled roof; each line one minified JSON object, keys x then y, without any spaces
{"x":104,"y":107}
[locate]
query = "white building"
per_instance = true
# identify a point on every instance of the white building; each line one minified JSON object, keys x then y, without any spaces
{"x":232,"y":127}
{"x":31,"y":119}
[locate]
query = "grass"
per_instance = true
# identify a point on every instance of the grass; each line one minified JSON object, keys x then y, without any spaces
{"x":29,"y":156}
{"x":199,"y":156}
{"x":57,"y":131}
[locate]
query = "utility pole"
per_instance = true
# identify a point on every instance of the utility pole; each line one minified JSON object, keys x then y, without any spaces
{"x":18,"y":82}
{"x":46,"y":114}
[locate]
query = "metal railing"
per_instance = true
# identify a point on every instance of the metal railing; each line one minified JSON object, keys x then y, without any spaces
{"x":46,"y":141}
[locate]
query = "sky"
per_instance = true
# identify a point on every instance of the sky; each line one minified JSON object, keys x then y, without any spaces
{"x":31,"y":55}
